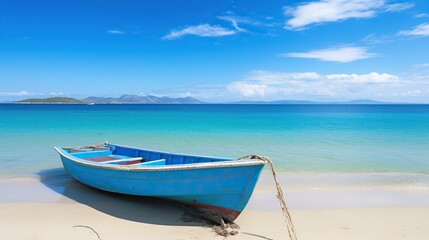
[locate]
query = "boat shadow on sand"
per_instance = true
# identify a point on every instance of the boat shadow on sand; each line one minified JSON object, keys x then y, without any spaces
{"x":133,"y":208}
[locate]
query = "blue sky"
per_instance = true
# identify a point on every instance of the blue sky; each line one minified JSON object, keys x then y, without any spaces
{"x":216,"y":51}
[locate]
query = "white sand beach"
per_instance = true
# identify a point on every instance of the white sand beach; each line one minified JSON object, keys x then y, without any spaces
{"x":59,"y":221}
{"x":58,"y":208}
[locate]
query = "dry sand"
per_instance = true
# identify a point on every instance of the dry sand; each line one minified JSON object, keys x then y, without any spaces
{"x":57,"y":221}
{"x":64,"y":209}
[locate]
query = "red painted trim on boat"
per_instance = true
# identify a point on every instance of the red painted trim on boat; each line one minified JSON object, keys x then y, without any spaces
{"x":228,"y":214}
{"x":131,"y":162}
{"x":101,"y":159}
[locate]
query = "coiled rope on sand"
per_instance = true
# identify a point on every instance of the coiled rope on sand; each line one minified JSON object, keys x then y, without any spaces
{"x":280,"y":196}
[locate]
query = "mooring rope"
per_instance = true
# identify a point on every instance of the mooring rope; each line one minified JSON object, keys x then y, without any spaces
{"x":280,"y":196}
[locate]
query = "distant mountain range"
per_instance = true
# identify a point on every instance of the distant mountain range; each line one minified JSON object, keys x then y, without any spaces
{"x":136,"y":99}
{"x":150,"y":99}
{"x":124,"y":99}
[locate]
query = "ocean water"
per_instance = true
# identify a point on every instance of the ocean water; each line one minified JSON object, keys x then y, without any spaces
{"x":301,"y":139}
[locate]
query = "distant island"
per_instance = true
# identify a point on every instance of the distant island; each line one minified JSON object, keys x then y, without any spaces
{"x":150,"y":99}
{"x":52,"y":100}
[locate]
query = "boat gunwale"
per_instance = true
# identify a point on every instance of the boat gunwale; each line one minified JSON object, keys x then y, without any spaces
{"x":189,"y":166}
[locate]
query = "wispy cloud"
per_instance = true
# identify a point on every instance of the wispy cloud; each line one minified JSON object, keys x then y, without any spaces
{"x":26,"y":93}
{"x":336,"y":54}
{"x":421,"y":15}
{"x":234,"y":22}
{"x":203,"y":30}
{"x":115,"y":32}
{"x":421,"y":65}
{"x":397,"y":7}
{"x":204,"y":92}
{"x":419,"y":30}
{"x":14,"y":94}
{"x":323,"y":11}
{"x":375,"y":39}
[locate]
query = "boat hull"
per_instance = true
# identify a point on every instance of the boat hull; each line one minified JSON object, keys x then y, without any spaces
{"x":215,"y":192}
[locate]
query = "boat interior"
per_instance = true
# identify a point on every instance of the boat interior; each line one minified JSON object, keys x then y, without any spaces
{"x":120,"y":155}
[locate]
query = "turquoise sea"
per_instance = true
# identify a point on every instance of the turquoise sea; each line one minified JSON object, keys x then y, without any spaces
{"x":343,"y":139}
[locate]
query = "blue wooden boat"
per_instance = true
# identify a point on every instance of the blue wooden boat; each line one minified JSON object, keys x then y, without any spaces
{"x":217,"y":188}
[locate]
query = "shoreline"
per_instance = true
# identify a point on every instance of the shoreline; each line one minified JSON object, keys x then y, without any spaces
{"x":332,"y":190}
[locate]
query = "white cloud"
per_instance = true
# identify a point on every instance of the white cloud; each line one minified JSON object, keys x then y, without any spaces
{"x":203,"y":30}
{"x":412,"y":86}
{"x":248,"y":89}
{"x":13,"y":94}
{"x":115,"y":32}
{"x":323,"y":11}
{"x":56,"y":93}
{"x":267,"y":84}
{"x":421,"y":15}
{"x":371,"y":78}
{"x":336,"y":54}
{"x":280,"y":77}
{"x":419,"y":30}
